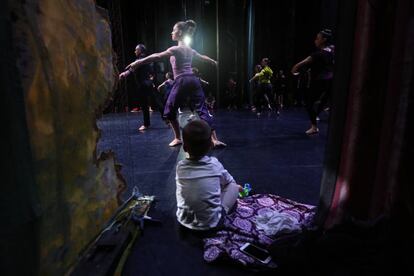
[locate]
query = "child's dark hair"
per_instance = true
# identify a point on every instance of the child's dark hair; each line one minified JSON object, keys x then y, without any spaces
{"x":197,"y":138}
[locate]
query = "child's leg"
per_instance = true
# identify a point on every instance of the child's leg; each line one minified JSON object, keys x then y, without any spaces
{"x":229,"y":196}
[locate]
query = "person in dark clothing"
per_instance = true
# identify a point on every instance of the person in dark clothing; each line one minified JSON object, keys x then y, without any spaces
{"x":302,"y":86}
{"x":281,"y":87}
{"x":144,"y":84}
{"x":321,"y":64}
{"x":255,"y":86}
{"x":325,"y":99}
{"x":231,"y":94}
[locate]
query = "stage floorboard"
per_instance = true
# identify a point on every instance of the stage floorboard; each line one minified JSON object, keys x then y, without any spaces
{"x":272,"y":153}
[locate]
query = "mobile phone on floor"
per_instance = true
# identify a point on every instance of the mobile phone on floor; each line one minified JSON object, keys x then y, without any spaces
{"x":260,"y":254}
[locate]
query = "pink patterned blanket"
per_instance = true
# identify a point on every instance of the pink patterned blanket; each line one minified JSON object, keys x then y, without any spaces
{"x":241,"y":226}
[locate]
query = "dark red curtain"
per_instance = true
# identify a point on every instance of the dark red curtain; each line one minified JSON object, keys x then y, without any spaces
{"x":373,"y":177}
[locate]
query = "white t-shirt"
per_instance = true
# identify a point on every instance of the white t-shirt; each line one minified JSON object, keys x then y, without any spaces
{"x":199,"y":185}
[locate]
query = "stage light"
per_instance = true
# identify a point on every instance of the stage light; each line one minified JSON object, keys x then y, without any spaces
{"x":187,"y":40}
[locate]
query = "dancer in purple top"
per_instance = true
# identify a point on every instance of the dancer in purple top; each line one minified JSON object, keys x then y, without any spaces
{"x":185,"y":82}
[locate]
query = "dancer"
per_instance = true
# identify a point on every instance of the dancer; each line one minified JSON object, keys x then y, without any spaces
{"x":321,"y":65}
{"x":185,"y":82}
{"x":210,"y":99}
{"x":231,"y":96}
{"x":255,"y":85}
{"x":325,"y":99}
{"x":188,"y":102}
{"x":302,"y":87}
{"x":265,"y":86}
{"x":166,"y":86}
{"x":281,"y":87}
{"x":143,"y":79}
{"x":196,"y":73}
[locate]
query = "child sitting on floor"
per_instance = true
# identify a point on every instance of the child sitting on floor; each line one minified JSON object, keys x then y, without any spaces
{"x":205,"y":190}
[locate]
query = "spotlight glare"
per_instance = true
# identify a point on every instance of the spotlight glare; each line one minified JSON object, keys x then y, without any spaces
{"x":187,"y":40}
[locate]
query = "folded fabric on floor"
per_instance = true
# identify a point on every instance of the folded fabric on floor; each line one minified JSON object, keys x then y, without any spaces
{"x":257,"y":219}
{"x":274,"y":222}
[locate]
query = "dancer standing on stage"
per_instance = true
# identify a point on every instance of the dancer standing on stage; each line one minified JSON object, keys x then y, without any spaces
{"x":185,"y":82}
{"x":321,"y":65}
{"x":255,"y":85}
{"x":281,"y":87}
{"x":265,"y":86}
{"x":166,"y":86}
{"x":145,"y":86}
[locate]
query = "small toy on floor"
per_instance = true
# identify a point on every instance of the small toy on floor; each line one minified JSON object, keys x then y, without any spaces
{"x":246,"y":190}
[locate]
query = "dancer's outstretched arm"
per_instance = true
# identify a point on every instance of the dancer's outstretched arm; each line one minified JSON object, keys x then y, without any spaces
{"x":162,"y":85}
{"x":151,"y":58}
{"x":298,"y":65}
{"x":254,"y":77}
{"x":205,"y":58}
{"x":204,"y":81}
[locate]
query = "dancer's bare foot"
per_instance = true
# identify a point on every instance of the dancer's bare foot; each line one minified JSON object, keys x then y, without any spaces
{"x":142,"y":128}
{"x":218,"y":144}
{"x":312,"y":130}
{"x":175,"y":142}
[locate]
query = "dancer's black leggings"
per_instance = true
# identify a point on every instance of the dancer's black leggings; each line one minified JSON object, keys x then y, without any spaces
{"x":262,"y":96}
{"x":146,"y":93}
{"x":319,"y":91}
